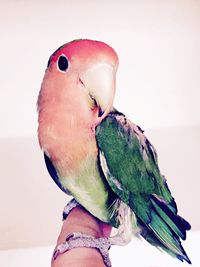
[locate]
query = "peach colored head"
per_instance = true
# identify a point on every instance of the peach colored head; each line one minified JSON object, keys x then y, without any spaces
{"x":77,"y":92}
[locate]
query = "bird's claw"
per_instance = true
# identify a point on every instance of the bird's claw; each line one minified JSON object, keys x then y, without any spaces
{"x":77,"y":240}
{"x":60,"y":249}
{"x":67,"y":209}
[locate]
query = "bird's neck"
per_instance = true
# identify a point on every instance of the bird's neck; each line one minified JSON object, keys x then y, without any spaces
{"x":67,"y":132}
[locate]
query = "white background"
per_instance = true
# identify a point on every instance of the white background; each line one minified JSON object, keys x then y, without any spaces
{"x":157,"y":43}
{"x":158,"y":87}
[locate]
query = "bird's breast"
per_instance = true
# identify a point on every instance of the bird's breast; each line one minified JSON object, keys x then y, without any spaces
{"x":68,"y":140}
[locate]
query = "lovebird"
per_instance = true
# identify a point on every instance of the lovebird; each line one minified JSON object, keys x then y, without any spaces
{"x":97,"y":155}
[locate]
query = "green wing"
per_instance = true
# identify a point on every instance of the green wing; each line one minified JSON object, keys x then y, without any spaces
{"x":129,"y":163}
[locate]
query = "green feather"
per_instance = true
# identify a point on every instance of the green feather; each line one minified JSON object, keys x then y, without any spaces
{"x":129,"y":159}
{"x":130,"y":165}
{"x":167,"y":220}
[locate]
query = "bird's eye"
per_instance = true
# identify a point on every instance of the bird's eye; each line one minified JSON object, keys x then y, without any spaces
{"x":63,"y":63}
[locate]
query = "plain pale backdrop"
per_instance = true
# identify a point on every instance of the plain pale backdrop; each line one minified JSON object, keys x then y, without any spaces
{"x":158,"y":87}
{"x":157,"y":42}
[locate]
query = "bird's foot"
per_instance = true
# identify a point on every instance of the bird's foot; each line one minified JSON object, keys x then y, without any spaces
{"x":67,"y":209}
{"x":77,"y":240}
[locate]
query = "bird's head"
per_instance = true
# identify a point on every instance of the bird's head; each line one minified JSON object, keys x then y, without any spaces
{"x":83,"y":67}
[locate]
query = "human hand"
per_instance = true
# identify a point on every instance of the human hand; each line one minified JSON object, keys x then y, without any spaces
{"x":79,"y":220}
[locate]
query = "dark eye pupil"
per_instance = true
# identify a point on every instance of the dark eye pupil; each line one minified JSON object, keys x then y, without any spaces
{"x":62,"y":63}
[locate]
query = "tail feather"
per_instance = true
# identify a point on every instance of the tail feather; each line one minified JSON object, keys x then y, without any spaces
{"x":150,"y":237}
{"x":184,"y":223}
{"x":177,"y":224}
{"x":170,"y":241}
{"x":167,"y":228}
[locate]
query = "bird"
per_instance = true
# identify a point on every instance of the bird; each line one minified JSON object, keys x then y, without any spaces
{"x":97,"y":155}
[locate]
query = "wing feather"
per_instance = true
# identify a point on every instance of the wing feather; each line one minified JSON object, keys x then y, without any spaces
{"x":130,"y":164}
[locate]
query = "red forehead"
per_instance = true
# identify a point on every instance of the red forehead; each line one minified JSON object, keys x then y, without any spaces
{"x":84,"y":49}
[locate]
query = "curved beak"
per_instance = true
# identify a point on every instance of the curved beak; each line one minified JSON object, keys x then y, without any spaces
{"x":99,"y":81}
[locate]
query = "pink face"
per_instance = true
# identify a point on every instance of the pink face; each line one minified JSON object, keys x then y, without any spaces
{"x":77,"y":91}
{"x":79,"y":74}
{"x":84,"y":52}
